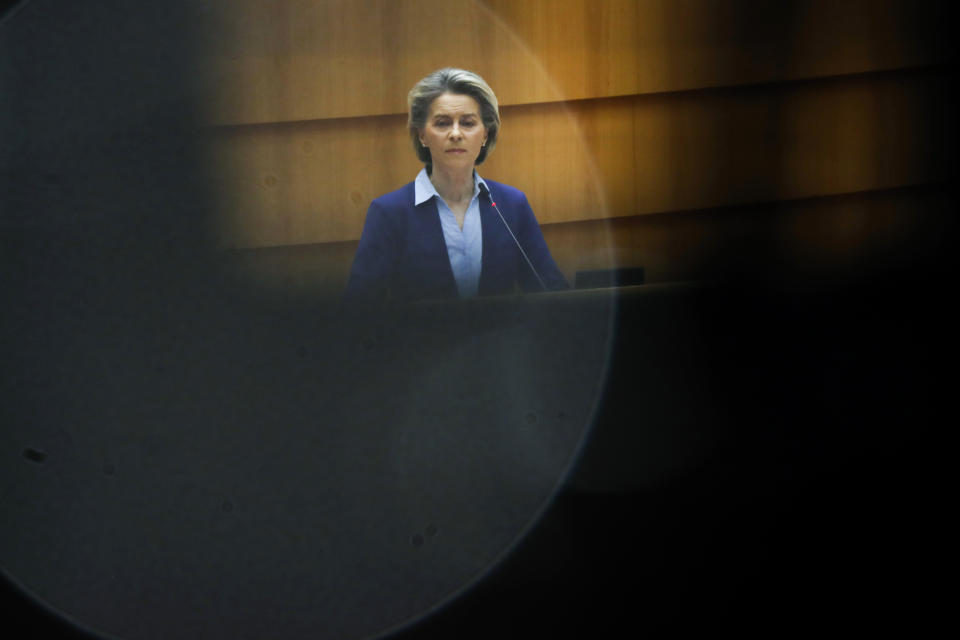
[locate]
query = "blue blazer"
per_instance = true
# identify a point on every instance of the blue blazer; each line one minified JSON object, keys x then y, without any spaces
{"x":402,"y":253}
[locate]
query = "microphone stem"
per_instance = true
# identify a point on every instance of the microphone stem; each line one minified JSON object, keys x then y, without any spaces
{"x":522,"y":252}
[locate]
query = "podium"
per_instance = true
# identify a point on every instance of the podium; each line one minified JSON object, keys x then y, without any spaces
{"x":296,"y":468}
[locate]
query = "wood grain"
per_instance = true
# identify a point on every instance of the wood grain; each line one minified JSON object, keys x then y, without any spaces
{"x":873,"y":234}
{"x":292,"y":60}
{"x":309,"y":182}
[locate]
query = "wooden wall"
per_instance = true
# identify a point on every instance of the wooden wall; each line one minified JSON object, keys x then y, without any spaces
{"x":676,"y":135}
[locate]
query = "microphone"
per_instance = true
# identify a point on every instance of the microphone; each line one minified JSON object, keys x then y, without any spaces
{"x":486,"y":190}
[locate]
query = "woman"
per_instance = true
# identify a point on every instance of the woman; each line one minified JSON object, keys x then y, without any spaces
{"x":450,"y":233}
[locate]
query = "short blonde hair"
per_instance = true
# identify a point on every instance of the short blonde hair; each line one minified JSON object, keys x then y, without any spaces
{"x":457,"y":82}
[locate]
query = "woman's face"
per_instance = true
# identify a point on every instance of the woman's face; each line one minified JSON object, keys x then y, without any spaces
{"x":454,"y":132}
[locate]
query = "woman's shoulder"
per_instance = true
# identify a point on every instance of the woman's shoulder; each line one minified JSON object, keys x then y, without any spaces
{"x":399,"y":197}
{"x":503,"y":191}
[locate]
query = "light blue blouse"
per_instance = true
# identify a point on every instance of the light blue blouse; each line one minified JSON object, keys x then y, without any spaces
{"x":464,"y":246}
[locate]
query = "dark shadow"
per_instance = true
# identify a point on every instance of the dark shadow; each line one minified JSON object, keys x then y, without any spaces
{"x":803,"y":423}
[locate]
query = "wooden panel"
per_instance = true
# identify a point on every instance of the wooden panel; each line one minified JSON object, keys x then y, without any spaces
{"x":309,"y":59}
{"x":704,"y":149}
{"x":617,"y":47}
{"x":543,"y":151}
{"x":310,"y":270}
{"x":832,"y":237}
{"x":863,"y":234}
{"x":302,"y":183}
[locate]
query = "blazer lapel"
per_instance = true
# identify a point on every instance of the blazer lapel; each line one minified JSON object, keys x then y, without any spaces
{"x":433,"y":246}
{"x":495,"y":270}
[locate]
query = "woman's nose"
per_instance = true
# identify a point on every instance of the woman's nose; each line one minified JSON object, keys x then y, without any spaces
{"x":455,"y":131}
